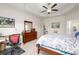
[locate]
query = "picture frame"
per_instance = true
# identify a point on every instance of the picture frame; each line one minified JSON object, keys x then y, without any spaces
{"x":6,"y":22}
{"x":74,"y":28}
{"x":55,"y":25}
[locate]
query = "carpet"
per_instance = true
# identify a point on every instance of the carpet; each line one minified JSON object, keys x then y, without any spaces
{"x":18,"y":51}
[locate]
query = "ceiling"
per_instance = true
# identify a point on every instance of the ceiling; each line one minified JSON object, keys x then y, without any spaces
{"x":36,"y":8}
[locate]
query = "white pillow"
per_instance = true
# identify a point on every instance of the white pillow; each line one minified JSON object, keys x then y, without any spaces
{"x":78,"y":37}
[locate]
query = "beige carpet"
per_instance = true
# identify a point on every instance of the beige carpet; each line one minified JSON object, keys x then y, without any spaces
{"x":31,"y":49}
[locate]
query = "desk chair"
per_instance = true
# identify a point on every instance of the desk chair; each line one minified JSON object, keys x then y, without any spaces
{"x":14,"y":42}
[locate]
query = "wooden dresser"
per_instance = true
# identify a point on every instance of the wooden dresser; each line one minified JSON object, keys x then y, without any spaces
{"x":28,"y":36}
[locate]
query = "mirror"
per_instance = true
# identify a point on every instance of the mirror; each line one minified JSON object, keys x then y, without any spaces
{"x":27,"y":26}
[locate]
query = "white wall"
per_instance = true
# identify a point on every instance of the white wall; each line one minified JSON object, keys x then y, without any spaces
{"x":65,"y":27}
{"x":60,"y":19}
{"x":73,"y":17}
{"x":19,"y":16}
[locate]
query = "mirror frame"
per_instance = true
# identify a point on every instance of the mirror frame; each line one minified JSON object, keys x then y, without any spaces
{"x":28,"y":22}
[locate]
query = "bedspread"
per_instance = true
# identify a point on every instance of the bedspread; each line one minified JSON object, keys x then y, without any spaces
{"x":61,"y":42}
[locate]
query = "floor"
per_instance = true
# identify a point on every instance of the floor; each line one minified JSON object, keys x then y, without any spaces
{"x":31,"y":48}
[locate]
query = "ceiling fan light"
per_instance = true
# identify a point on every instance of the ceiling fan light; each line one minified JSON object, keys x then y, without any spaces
{"x":49,"y":10}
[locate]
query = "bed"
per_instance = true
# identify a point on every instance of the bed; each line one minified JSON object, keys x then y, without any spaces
{"x":56,"y":44}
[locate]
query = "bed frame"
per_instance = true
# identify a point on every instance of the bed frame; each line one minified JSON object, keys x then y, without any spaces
{"x":46,"y":50}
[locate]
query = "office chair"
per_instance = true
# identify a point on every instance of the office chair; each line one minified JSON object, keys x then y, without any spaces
{"x":14,"y":42}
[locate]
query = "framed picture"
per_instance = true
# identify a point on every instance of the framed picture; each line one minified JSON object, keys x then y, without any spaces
{"x":55,"y":25}
{"x":74,"y":28}
{"x":6,"y":22}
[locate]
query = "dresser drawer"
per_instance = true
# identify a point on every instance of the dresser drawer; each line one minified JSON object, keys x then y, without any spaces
{"x":29,"y":36}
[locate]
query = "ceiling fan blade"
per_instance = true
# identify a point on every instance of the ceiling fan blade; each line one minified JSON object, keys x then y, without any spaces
{"x":53,"y":5}
{"x":43,"y":11}
{"x":45,"y":7}
{"x":54,"y":9}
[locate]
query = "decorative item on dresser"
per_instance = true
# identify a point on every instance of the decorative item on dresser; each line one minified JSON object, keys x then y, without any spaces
{"x":29,"y":33}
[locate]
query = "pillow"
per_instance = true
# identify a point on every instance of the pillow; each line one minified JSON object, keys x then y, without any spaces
{"x":77,"y":35}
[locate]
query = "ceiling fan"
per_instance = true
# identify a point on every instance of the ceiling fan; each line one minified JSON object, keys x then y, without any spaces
{"x":49,"y":8}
